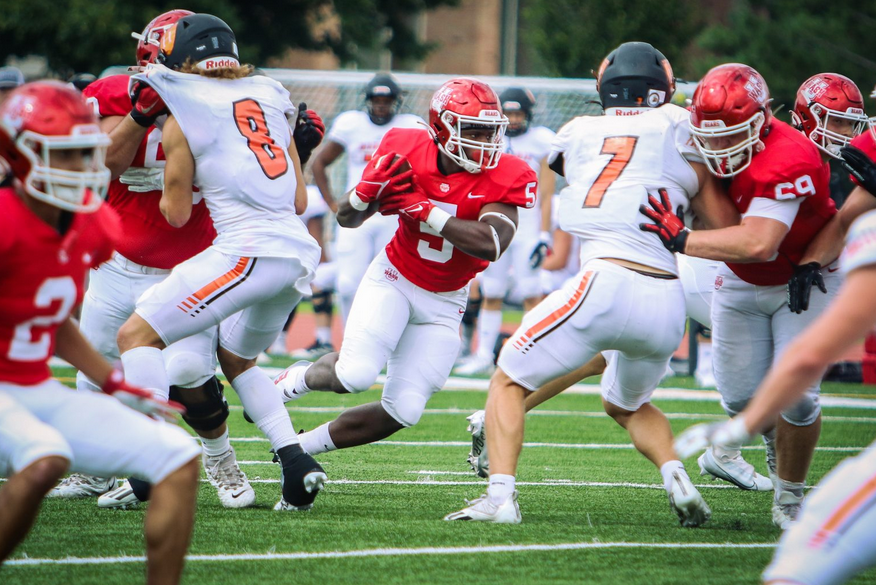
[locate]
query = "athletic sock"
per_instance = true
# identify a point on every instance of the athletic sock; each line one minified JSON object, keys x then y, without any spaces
{"x":317,"y":441}
{"x":218,"y":446}
{"x":489,"y":324}
{"x":263,"y":404}
{"x":500,"y":489}
{"x":324,"y":335}
{"x":668,"y":469}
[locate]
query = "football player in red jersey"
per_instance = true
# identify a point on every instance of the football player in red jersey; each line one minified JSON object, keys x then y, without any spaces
{"x":53,"y":228}
{"x":150,"y":249}
{"x":780,"y":186}
{"x":458,"y":209}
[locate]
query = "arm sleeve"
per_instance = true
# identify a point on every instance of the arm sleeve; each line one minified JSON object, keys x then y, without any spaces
{"x":783,"y":211}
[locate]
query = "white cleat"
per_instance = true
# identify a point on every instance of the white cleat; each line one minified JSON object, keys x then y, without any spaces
{"x":687,"y":503}
{"x":482,"y":510}
{"x":786,"y":508}
{"x":313,"y":483}
{"x":79,"y":485}
{"x":477,"y":457}
{"x":290,"y":382}
{"x":230,"y":482}
{"x":120,"y":498}
{"x":735,"y":470}
{"x":476,"y":366}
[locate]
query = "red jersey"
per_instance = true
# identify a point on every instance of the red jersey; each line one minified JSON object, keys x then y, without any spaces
{"x":790,"y":166}
{"x":867,"y":143}
{"x":149,"y":239}
{"x":418,"y":251}
{"x":42,"y":275}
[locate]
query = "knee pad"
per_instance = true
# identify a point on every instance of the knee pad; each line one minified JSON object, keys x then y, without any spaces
{"x":805,"y":412}
{"x":355,"y":377}
{"x":407,"y":408}
{"x":206,"y":408}
{"x":472,"y":308}
{"x":734,"y":407}
{"x":189,"y":369}
{"x":322,"y":302}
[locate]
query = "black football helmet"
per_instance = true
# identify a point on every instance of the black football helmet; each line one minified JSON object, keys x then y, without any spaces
{"x":517,"y":99}
{"x":203,"y":38}
{"x":383,"y":85}
{"x":635,"y":75}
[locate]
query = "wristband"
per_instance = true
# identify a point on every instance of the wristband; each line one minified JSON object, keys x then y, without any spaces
{"x":437,"y":219}
{"x":141,"y":119}
{"x":357,"y":203}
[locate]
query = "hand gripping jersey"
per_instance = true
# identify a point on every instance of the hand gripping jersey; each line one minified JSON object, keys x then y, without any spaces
{"x":789,"y":167}
{"x":612,"y":163}
{"x":149,"y":240}
{"x":533,"y":146}
{"x":238,"y":131}
{"x":360,"y":137}
{"x":417,"y":251}
{"x":42,"y":278}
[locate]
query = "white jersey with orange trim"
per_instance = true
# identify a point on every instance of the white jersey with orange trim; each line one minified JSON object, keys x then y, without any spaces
{"x":360,"y":137}
{"x":252,"y":201}
{"x":860,"y":247}
{"x":612,"y":163}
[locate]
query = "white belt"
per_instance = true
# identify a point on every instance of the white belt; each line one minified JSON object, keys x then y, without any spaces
{"x":131,"y":266}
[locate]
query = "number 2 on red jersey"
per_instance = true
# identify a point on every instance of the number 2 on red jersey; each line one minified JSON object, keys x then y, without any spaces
{"x":251,"y":124}
{"x":621,"y":150}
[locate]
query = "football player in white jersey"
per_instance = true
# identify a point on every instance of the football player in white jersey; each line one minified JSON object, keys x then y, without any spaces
{"x":358,"y":133}
{"x":231,"y":136}
{"x":626,"y":300}
{"x":532,"y":242}
{"x":834,"y":537}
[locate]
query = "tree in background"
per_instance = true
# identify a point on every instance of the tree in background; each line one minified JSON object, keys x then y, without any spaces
{"x":89,"y":35}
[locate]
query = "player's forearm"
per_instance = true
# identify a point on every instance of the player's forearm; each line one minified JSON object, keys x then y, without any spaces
{"x":734,"y":244}
{"x":126,"y":138}
{"x":349,"y":216}
{"x":176,"y":205}
{"x":320,"y":179}
{"x":72,"y":347}
{"x":477,"y":238}
{"x":828,"y":243}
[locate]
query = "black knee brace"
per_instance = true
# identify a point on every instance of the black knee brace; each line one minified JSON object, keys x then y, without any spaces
{"x":206,"y":407}
{"x":322,"y":302}
{"x":472,"y":308}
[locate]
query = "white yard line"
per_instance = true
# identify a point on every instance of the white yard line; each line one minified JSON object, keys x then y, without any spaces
{"x":399,"y":552}
{"x":426,"y":480}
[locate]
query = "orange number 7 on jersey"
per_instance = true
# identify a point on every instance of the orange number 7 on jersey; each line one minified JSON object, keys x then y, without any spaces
{"x":621,"y":148}
{"x":252,"y":125}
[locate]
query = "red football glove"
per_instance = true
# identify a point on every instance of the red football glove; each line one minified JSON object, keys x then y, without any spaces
{"x":667,"y":225}
{"x":148,"y":105}
{"x":412,"y":206}
{"x":382,"y":177}
{"x":139,"y":399}
{"x":309,"y":131}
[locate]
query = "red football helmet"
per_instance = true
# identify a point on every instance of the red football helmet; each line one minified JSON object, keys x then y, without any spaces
{"x":729,"y":116}
{"x":825,"y":97}
{"x":461,"y":104}
{"x":150,"y":39}
{"x":42,"y":118}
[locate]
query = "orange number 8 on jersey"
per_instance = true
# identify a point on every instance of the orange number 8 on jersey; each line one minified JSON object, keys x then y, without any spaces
{"x":252,"y":125}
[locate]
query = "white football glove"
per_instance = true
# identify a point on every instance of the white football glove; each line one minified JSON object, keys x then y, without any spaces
{"x":702,"y":436}
{"x":143,"y":180}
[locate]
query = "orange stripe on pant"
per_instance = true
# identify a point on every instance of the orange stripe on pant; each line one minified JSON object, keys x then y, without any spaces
{"x":233,"y":274}
{"x":562,"y":311}
{"x":846,"y":510}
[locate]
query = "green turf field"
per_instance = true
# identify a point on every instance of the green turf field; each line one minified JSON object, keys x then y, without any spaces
{"x":591,"y":513}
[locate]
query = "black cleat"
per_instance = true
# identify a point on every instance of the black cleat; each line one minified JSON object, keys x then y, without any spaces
{"x":302,"y":479}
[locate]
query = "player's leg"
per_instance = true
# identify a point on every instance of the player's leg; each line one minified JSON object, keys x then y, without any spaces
{"x":697,"y":277}
{"x":354,"y":253}
{"x":527,"y":278}
{"x":834,"y":537}
{"x":742,"y":341}
{"x":469,"y":321}
{"x":493,"y":281}
{"x":33,"y":456}
{"x":799,"y":427}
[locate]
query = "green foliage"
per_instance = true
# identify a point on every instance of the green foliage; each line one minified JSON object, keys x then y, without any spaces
{"x":571,"y":37}
{"x":89,"y":35}
{"x":788,"y":41}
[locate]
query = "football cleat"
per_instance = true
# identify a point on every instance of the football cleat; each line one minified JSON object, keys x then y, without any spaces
{"x":772,"y":465}
{"x":733,"y":469}
{"x":477,"y":366}
{"x":477,"y":457}
{"x":314,"y":352}
{"x":302,"y":480}
{"x":79,"y":485}
{"x":483,"y":510}
{"x":120,"y":498}
{"x":230,"y":482}
{"x":686,"y":502}
{"x":786,"y":508}
{"x":288,"y":381}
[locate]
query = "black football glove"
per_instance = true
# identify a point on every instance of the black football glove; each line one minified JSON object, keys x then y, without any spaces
{"x":861,"y":167}
{"x":541,"y":251}
{"x":800,"y":285}
{"x":309,"y":131}
{"x":667,"y":225}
